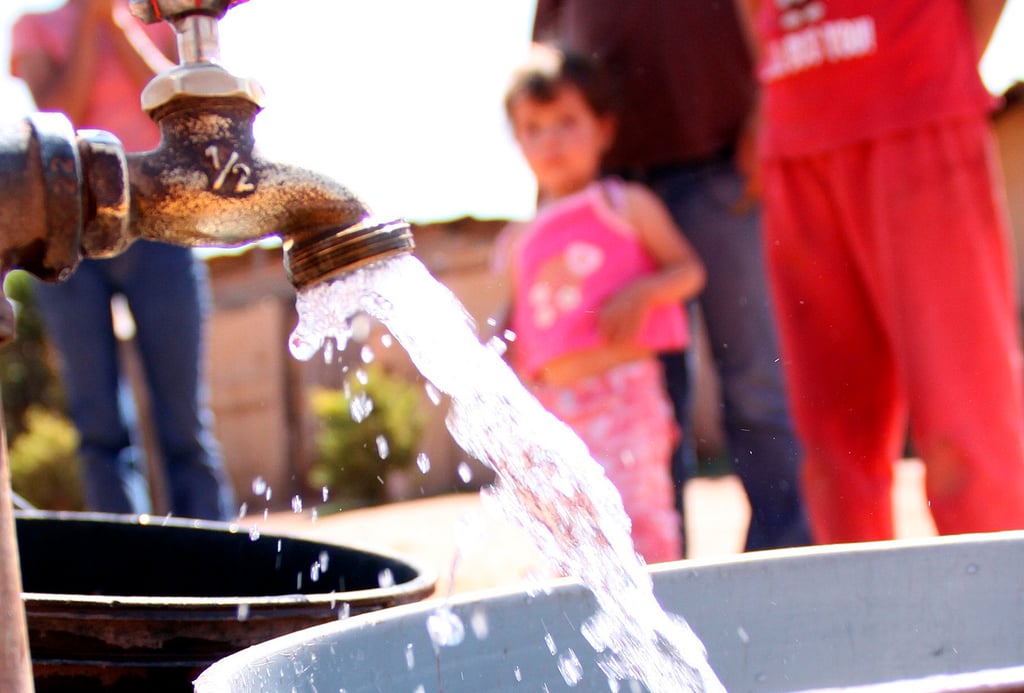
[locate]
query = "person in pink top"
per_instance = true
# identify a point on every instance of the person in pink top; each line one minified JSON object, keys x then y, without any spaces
{"x":90,"y":59}
{"x":887,"y":241}
{"x":596,"y":284}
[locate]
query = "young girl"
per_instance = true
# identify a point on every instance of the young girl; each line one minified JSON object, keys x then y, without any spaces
{"x":597,"y":281}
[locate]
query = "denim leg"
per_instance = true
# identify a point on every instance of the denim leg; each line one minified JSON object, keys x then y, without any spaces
{"x":676,"y":366}
{"x":169,"y":301}
{"x":741,"y":331}
{"x":78,"y":323}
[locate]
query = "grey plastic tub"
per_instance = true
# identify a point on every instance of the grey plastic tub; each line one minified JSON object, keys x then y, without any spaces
{"x":936,"y":615}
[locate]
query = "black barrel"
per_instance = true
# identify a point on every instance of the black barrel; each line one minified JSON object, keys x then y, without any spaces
{"x":121,"y":603}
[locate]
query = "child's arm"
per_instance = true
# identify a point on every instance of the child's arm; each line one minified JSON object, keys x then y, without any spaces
{"x":681,"y":275}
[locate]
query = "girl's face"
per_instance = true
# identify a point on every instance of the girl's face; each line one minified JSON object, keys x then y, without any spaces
{"x":562,"y":140}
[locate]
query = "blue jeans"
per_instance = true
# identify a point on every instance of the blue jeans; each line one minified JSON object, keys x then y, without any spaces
{"x":763,"y":447}
{"x":168,"y":293}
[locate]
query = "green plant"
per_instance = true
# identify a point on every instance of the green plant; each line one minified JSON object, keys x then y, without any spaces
{"x":364,"y":433}
{"x":27,"y":374}
{"x":44,"y":462}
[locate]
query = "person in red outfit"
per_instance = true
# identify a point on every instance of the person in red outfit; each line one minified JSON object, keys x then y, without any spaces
{"x":887,"y":241}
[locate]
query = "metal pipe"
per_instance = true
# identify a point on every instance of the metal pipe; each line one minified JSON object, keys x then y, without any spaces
{"x":15,"y":663}
{"x":198,"y":39}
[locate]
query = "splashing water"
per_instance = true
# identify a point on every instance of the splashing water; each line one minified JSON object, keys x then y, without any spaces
{"x":546,"y":480}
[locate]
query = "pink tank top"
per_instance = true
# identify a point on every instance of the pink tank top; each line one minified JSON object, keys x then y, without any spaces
{"x":114,"y":103}
{"x":576,"y":254}
{"x":837,"y":72}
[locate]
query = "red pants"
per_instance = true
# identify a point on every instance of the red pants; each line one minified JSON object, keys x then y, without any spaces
{"x":890,"y":269}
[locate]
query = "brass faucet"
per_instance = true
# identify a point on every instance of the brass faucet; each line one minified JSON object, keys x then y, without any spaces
{"x":69,"y":195}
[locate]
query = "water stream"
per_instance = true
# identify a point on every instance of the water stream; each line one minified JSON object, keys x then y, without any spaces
{"x":547,"y":482}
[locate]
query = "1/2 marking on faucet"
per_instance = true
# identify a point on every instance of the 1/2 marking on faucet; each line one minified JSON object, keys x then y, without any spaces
{"x":232,"y":166}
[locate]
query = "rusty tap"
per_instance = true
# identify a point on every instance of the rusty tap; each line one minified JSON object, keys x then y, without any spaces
{"x":68,"y":195}
{"x":207,"y":185}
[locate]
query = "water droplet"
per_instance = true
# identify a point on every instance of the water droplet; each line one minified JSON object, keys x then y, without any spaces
{"x":387,"y":340}
{"x":366,"y":354}
{"x":433,"y":393}
{"x":480,"y":625}
{"x":570,"y":668}
{"x":254,"y":533}
{"x":972,"y":568}
{"x":329,"y":351}
{"x":242,"y":510}
{"x":324,"y":493}
{"x":518,"y":674}
{"x":497,"y":345}
{"x":243,"y":612}
{"x":362,"y":377}
{"x":744,"y":636}
{"x":296,"y":504}
{"x":410,"y":657}
{"x":445,"y":628}
{"x":300,"y":349}
{"x":509,"y":335}
{"x":360,"y":407}
{"x":144,"y":519}
{"x":324,"y":559}
{"x":345,"y":611}
{"x":549,"y":640}
{"x":259,"y":486}
{"x":383,"y":449}
{"x":386,"y":578}
{"x":423,"y":462}
{"x":465,"y":472}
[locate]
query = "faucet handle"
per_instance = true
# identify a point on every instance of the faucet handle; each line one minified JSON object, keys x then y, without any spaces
{"x":152,"y":11}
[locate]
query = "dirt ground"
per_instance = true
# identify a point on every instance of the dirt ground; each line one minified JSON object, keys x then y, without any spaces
{"x":497,"y":554}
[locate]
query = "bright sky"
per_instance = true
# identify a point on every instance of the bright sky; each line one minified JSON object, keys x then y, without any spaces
{"x":400,"y":100}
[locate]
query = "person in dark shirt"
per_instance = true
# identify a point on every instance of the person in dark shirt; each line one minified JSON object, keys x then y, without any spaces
{"x":687,"y":87}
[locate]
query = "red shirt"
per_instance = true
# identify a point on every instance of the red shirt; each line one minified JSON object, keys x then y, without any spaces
{"x":840,"y":71}
{"x":114,"y":105}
